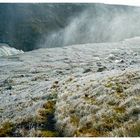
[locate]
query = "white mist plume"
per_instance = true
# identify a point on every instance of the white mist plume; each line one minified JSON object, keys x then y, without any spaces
{"x":98,"y":23}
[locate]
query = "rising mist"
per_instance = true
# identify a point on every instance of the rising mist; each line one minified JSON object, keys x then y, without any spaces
{"x":31,"y":26}
{"x":98,"y":23}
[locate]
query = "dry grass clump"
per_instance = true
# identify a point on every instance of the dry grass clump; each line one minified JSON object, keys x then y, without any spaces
{"x":40,"y":125}
{"x":49,"y":104}
{"x":129,"y":130}
{"x":90,"y":132}
{"x":43,"y":124}
{"x":6,"y":129}
{"x":47,"y":133}
{"x":102,"y":107}
{"x":121,"y":109}
{"x":45,"y":113}
{"x":45,"y":118}
{"x":133,"y":131}
{"x":74,"y":120}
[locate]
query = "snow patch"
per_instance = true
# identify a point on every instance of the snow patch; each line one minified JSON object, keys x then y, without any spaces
{"x":6,"y":50}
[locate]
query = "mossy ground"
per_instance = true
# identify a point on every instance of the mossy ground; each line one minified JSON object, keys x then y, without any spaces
{"x":43,"y":123}
{"x":6,"y":129}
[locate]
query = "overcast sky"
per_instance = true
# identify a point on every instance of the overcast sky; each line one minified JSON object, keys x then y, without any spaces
{"x":122,"y":2}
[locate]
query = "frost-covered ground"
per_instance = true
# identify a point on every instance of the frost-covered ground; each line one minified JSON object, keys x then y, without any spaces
{"x":95,"y":86}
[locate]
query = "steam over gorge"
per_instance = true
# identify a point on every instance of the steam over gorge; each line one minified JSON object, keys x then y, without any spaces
{"x":31,"y":26}
{"x":69,"y":70}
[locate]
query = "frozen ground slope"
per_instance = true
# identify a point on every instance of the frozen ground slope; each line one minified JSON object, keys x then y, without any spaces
{"x":95,"y":86}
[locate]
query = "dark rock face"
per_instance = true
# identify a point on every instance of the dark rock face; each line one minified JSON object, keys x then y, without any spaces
{"x":23,"y":25}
